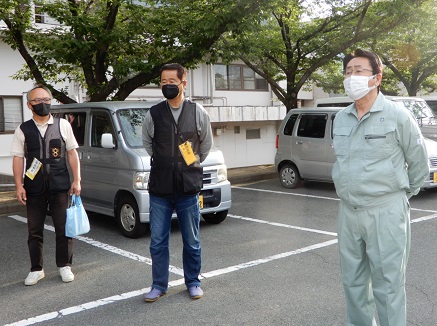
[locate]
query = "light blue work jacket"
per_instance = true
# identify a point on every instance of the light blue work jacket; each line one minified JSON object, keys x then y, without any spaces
{"x":379,"y":157}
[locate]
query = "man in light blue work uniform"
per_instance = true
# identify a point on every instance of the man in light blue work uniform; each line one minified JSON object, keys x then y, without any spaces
{"x":381,"y":162}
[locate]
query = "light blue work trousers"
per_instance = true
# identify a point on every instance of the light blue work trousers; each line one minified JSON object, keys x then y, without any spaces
{"x":374,"y":245}
{"x":188,"y":213}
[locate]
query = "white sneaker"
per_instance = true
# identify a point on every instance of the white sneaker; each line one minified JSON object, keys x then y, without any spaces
{"x":34,"y":277}
{"x":66,"y":274}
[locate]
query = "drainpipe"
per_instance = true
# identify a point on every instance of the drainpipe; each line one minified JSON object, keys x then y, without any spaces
{"x":210,"y":76}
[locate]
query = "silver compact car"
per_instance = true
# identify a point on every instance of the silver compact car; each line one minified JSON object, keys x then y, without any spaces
{"x":304,"y":148}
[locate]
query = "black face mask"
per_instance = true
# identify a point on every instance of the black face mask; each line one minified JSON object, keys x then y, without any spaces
{"x":41,"y":109}
{"x":170,"y":91}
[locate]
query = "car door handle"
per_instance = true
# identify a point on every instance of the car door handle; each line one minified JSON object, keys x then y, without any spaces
{"x":300,"y":142}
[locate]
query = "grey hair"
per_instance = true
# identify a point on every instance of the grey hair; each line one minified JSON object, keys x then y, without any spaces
{"x":38,"y":86}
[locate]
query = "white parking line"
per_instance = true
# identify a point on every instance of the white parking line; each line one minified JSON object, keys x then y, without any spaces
{"x":287,"y":193}
{"x":87,"y":306}
{"x":281,"y":225}
{"x":268,"y":259}
{"x":317,"y":197}
{"x":424,"y":218}
{"x":128,"y":295}
{"x":116,"y":298}
{"x":107,"y":247}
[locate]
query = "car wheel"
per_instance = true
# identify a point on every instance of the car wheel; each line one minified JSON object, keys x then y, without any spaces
{"x":289,"y":176}
{"x":215,"y":218}
{"x":128,"y":218}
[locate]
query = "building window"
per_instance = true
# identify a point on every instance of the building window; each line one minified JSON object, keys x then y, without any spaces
{"x":39,"y":14}
{"x":238,"y":77}
{"x":253,"y":133}
{"x":11,"y":113}
{"x":42,"y":17}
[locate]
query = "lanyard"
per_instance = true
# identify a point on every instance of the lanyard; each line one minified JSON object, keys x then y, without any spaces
{"x":174,"y":121}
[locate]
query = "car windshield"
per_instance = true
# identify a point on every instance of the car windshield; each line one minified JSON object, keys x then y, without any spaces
{"x":131,"y":122}
{"x":419,"y":109}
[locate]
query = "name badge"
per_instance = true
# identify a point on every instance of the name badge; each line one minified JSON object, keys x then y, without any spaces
{"x":187,"y":153}
{"x":33,"y":169}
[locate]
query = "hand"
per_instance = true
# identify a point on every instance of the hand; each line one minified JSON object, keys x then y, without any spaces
{"x":75,"y":188}
{"x":21,"y":195}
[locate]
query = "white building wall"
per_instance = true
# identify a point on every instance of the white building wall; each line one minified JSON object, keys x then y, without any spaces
{"x":11,"y":62}
{"x":239,"y":151}
{"x":230,"y":125}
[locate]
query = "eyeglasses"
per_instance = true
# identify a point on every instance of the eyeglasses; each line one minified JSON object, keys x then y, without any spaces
{"x":357,"y":70}
{"x":41,"y":100}
{"x":171,"y":81}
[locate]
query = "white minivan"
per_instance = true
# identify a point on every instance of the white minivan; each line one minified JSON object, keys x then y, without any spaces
{"x":115,"y":166}
{"x":304,"y":148}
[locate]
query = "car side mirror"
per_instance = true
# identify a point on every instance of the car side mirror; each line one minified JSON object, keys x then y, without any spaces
{"x":107,"y":141}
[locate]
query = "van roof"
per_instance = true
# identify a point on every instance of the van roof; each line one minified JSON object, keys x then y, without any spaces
{"x":429,"y":97}
{"x":316,"y":109}
{"x":110,"y":105}
{"x":348,"y":100}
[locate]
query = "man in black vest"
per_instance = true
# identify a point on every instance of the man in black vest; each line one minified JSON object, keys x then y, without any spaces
{"x":41,"y":148}
{"x":177,"y":135}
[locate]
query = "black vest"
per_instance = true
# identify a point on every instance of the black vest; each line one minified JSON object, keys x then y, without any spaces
{"x":51,"y":152}
{"x":169,"y":173}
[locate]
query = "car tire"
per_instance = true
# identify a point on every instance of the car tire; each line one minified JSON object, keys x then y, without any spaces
{"x":128,"y":218}
{"x":215,"y":218}
{"x":289,"y":176}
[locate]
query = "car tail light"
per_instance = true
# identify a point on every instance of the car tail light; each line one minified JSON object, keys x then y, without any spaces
{"x":277,"y":141}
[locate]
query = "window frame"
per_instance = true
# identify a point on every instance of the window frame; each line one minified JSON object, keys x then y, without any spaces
{"x":241,"y":77}
{"x":95,"y":142}
{"x":4,"y":117}
{"x":311,"y":118}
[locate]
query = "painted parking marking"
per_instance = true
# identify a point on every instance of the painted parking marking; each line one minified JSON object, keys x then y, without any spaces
{"x":136,"y":293}
{"x":281,"y":225}
{"x":317,"y":197}
{"x":119,"y":297}
{"x":107,"y":247}
{"x":287,"y":193}
{"x":424,"y":218}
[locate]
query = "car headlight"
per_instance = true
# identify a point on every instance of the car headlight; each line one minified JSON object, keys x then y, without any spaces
{"x":141,"y":180}
{"x":222,"y":173}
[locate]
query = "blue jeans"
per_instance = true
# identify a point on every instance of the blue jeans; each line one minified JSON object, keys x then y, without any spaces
{"x":188,"y":213}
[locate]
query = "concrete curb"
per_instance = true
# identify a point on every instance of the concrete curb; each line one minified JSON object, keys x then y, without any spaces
{"x":251,"y":174}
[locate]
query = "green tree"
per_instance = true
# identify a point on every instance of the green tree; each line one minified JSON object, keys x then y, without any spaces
{"x":112,"y":47}
{"x":410,"y":50}
{"x":295,"y":40}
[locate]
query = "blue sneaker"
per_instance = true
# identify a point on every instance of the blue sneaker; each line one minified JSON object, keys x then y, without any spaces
{"x":195,"y":292}
{"x":153,"y":295}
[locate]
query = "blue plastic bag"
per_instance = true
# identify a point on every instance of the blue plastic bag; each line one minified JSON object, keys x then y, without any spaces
{"x":77,"y":222}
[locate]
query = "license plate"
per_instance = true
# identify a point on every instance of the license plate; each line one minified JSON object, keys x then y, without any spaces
{"x":201,"y":197}
{"x":435,"y":177}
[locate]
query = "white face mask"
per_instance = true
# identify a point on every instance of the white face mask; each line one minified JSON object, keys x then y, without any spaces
{"x":357,"y":87}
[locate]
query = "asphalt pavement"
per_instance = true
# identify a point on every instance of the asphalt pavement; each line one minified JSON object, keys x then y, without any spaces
{"x":10,"y":205}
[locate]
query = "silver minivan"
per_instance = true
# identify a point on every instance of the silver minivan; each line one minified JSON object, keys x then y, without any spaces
{"x":115,"y":166}
{"x":305,"y":150}
{"x":416,"y":105}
